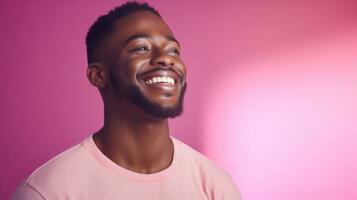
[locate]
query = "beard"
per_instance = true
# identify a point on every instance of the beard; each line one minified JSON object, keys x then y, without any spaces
{"x":133,"y":94}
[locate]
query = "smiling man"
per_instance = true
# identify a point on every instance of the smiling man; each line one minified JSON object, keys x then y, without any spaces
{"x":134,"y":60}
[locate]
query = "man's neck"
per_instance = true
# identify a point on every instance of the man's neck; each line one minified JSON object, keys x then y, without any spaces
{"x":140,"y":145}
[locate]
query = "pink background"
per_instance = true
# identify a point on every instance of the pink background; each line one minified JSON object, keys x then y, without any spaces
{"x":272,"y":90}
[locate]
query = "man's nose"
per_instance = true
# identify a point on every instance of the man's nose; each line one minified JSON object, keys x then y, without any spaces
{"x":162,"y":58}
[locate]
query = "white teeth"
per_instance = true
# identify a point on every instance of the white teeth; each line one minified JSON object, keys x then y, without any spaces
{"x":161,"y":79}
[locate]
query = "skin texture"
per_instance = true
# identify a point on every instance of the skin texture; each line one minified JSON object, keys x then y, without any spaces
{"x":141,"y":46}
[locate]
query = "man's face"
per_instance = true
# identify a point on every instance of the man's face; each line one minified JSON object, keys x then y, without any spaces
{"x":145,"y":65}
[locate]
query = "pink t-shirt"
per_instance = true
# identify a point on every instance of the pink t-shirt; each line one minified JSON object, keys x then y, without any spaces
{"x":83,"y":172}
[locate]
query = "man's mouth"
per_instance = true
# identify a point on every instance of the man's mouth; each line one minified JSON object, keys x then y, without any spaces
{"x":160,"y":79}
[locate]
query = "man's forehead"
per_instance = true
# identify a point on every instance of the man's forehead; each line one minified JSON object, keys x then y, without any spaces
{"x":141,"y":22}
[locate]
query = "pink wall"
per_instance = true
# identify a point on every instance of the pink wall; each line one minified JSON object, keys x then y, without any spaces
{"x":271,"y":97}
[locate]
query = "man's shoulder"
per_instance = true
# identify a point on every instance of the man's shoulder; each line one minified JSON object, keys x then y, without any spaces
{"x":201,"y":163}
{"x":198,"y":158}
{"x":217,"y":183}
{"x":59,"y":170}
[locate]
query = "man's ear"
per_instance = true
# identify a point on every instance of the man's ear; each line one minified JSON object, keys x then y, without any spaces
{"x":96,"y":75}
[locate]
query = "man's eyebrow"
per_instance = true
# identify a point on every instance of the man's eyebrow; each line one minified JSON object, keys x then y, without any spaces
{"x":136,"y":36}
{"x":172,"y":38}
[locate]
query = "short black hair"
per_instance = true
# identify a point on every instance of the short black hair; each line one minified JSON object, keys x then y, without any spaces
{"x":103,"y":26}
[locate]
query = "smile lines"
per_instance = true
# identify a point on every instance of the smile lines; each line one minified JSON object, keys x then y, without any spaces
{"x":161,"y":79}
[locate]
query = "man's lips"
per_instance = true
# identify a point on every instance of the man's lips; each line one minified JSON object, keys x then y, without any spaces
{"x":164,"y":80}
{"x":161,"y":76}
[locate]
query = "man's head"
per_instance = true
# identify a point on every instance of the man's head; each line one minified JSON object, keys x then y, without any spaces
{"x":133,"y":54}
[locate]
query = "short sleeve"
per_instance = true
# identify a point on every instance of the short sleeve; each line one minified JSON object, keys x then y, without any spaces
{"x":226,"y":189}
{"x":232,"y":192}
{"x":26,"y":192}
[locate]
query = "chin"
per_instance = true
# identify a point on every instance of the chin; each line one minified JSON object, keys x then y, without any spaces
{"x":164,"y":112}
{"x":160,"y":111}
{"x":133,"y":94}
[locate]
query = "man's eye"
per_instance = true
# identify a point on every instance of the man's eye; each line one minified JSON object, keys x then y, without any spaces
{"x":174,"y":51}
{"x":140,"y":49}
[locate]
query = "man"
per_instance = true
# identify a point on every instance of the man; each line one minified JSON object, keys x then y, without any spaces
{"x":134,"y":61}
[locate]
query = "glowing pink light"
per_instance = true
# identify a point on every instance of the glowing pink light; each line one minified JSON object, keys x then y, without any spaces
{"x":284,"y":127}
